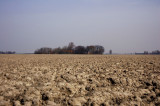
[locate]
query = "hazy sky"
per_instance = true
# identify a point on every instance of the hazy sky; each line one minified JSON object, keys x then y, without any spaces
{"x":121,"y":25}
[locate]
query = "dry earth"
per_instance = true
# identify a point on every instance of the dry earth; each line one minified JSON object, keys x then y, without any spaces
{"x":83,"y":80}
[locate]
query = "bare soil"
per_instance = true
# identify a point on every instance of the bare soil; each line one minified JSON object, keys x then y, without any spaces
{"x":82,"y":80}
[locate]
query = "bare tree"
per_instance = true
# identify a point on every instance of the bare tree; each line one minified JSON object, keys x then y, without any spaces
{"x":71,"y":46}
{"x":80,"y":50}
{"x":145,"y":52}
{"x":44,"y":50}
{"x":97,"y":49}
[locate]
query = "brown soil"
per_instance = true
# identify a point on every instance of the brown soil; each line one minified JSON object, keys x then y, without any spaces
{"x":83,"y":80}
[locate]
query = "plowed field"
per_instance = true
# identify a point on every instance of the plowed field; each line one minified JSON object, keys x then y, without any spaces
{"x":83,"y":80}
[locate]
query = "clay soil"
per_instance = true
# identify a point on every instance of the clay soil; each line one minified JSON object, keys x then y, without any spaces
{"x":79,"y":80}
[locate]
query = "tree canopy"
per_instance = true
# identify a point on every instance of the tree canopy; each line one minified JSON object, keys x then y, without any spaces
{"x":72,"y":49}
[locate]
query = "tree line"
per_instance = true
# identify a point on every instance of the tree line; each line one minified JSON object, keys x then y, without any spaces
{"x":7,"y":52}
{"x":72,"y":49}
{"x":153,"y":52}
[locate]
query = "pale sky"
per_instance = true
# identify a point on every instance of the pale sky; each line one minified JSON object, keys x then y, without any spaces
{"x":125,"y":26}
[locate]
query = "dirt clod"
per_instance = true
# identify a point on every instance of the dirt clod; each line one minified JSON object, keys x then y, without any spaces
{"x":45,"y":97}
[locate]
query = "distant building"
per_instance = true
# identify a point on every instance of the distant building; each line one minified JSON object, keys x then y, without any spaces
{"x":110,"y":51}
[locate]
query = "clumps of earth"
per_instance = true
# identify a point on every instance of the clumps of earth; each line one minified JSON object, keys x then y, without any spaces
{"x":79,"y":80}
